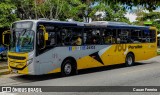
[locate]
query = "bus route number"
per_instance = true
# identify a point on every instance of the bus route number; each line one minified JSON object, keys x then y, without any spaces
{"x":120,"y":47}
{"x":90,"y":47}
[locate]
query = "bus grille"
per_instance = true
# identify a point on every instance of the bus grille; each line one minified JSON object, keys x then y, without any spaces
{"x":17,"y":57}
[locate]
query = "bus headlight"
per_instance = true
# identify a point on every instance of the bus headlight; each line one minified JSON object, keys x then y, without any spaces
{"x":29,"y":61}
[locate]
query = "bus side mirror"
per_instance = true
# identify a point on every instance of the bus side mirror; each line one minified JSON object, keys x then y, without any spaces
{"x":6,"y":35}
{"x":46,"y":36}
{"x":43,"y":37}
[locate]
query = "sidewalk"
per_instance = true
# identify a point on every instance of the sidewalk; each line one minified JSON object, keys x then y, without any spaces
{"x":4,"y":68}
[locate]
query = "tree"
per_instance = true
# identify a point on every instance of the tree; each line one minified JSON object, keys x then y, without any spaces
{"x":154,"y":17}
{"x":24,"y":8}
{"x":149,"y":16}
{"x":157,"y":25}
{"x":75,"y":10}
{"x":61,"y":9}
{"x":148,"y":4}
{"x":7,"y":15}
{"x":114,"y":12}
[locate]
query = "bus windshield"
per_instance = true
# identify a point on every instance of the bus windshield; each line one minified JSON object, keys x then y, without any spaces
{"x":22,"y":40}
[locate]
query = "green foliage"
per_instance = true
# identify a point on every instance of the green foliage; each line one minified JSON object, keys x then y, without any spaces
{"x":60,"y":9}
{"x":114,"y":12}
{"x":7,"y":15}
{"x":24,"y":8}
{"x":157,"y":25}
{"x":152,"y":17}
{"x":148,"y":4}
{"x":75,"y":9}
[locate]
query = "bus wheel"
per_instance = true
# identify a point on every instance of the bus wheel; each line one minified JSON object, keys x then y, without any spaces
{"x":129,"y":60}
{"x":67,"y":68}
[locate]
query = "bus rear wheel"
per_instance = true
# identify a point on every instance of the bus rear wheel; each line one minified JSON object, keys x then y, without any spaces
{"x":129,"y":60}
{"x":67,"y":68}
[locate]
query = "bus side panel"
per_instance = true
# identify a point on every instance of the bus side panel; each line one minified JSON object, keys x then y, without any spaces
{"x":137,"y":50}
{"x":112,"y":56}
{"x":142,"y":51}
{"x":51,"y":60}
{"x":150,"y":50}
{"x":88,"y":62}
{"x":106,"y":56}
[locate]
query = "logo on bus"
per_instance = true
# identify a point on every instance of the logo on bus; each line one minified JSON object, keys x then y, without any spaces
{"x":73,"y":48}
{"x":123,"y":47}
{"x":120,"y":47}
{"x":135,"y":47}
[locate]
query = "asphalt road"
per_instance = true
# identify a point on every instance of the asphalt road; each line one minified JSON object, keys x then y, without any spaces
{"x":145,"y":73}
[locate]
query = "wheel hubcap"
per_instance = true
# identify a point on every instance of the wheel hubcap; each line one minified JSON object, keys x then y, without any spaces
{"x":68,"y":68}
{"x":130,"y":60}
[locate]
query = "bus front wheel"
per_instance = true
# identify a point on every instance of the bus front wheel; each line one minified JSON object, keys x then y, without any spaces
{"x":67,"y":68}
{"x":129,"y":59}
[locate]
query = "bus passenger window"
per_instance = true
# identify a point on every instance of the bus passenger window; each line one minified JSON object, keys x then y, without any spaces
{"x":40,"y":37}
{"x":84,"y":37}
{"x":124,"y":36}
{"x":52,"y":38}
{"x":78,"y":40}
{"x":136,"y":36}
{"x":71,"y":36}
{"x":92,"y":36}
{"x":109,"y":36}
{"x":152,"y":36}
{"x":59,"y":38}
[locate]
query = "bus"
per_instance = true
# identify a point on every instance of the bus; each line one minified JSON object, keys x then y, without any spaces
{"x":45,"y":46}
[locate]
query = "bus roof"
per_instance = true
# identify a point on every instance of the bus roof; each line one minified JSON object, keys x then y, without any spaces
{"x":91,"y":24}
{"x":73,"y":23}
{"x":115,"y":25}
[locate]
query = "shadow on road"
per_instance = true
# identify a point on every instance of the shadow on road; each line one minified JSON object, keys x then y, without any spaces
{"x":32,"y":78}
{"x":3,"y":60}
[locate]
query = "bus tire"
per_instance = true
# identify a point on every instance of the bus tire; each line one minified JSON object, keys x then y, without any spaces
{"x":68,"y":68}
{"x":129,"y":59}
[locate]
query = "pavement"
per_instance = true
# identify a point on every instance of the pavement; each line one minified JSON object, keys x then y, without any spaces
{"x":3,"y":68}
{"x":145,"y":73}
